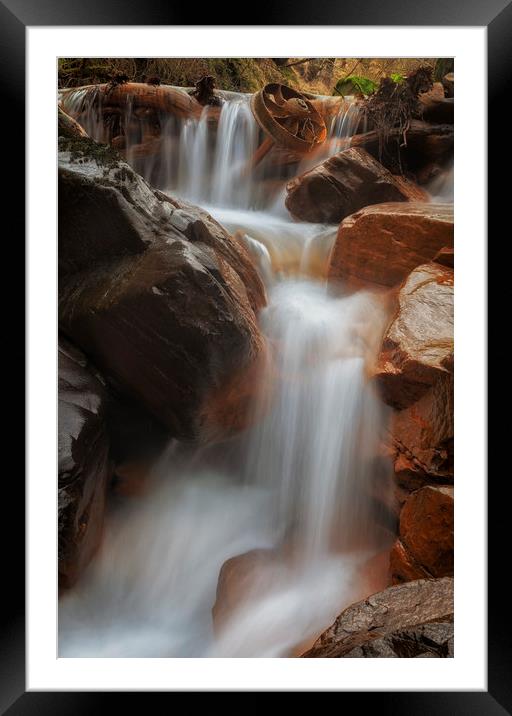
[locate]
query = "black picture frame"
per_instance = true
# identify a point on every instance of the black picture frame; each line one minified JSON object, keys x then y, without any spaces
{"x":15,"y":16}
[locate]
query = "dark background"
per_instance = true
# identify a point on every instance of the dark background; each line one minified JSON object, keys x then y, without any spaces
{"x":14,"y":16}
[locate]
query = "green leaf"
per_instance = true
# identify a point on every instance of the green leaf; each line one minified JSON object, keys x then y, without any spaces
{"x":355,"y":84}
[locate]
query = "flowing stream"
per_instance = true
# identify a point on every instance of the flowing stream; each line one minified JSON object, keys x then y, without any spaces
{"x":294,"y":491}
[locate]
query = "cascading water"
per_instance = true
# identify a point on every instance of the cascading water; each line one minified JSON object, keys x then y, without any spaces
{"x":295,"y":486}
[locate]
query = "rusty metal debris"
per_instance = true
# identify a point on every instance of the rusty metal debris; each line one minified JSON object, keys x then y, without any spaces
{"x":288,"y":117}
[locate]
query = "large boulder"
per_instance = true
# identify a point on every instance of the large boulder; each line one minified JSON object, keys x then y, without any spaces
{"x":418,"y":346}
{"x":414,"y":372}
{"x":84,"y":466}
{"x":402,"y":611}
{"x":382,"y":244}
{"x":343,"y":184}
{"x":167,"y":327}
{"x":158,"y":294}
{"x":240,"y":578}
{"x":425,"y":546}
{"x":106,"y":210}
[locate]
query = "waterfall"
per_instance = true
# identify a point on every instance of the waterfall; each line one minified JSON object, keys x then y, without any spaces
{"x":296,"y":486}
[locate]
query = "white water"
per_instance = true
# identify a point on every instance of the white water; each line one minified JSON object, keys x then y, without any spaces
{"x":296,"y":484}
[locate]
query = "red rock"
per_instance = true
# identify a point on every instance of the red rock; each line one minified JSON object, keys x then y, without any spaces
{"x":423,"y":435}
{"x":382,"y":244}
{"x":426,"y":529}
{"x":343,"y":184}
{"x":445,"y":257}
{"x":418,"y":345}
{"x":403,"y":567}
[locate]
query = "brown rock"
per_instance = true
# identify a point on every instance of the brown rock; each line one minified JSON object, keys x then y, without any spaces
{"x":445,"y":257}
{"x":165,"y":299}
{"x":396,"y":609}
{"x":426,"y":529}
{"x":84,"y":467}
{"x":344,"y":184}
{"x":434,"y":640}
{"x":106,"y":210}
{"x":403,"y":566}
{"x":230,"y":252}
{"x":423,"y":435}
{"x":418,"y":346}
{"x":382,"y":244}
{"x":434,"y":94}
{"x":239,"y":578}
{"x":167,"y":327}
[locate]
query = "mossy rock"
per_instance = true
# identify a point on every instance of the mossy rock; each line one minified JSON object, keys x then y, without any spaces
{"x":84,"y":149}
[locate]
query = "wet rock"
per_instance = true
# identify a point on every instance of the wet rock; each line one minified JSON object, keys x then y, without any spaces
{"x":382,"y":244}
{"x":106,"y":210}
{"x":403,"y":566}
{"x":168,"y":328}
{"x":378,"y":619}
{"x":84,"y":467}
{"x":418,"y":346}
{"x":426,"y":534}
{"x":229,"y":252}
{"x":434,"y":640}
{"x":344,"y":184}
{"x":157,"y":293}
{"x":240,"y":578}
{"x":423,"y":436}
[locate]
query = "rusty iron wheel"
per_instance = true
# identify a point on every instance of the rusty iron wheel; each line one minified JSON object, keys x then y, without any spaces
{"x":288,"y":117}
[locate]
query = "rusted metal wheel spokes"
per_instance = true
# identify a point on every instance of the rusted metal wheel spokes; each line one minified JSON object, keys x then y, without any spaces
{"x":288,"y":117}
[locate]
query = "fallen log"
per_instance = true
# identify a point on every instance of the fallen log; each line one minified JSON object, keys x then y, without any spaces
{"x":168,"y":99}
{"x":175,"y":101}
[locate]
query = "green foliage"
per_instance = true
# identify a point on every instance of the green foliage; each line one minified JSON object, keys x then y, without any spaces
{"x":355,"y":84}
{"x":397,"y":77}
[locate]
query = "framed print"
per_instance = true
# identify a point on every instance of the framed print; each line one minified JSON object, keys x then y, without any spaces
{"x":264,"y":367}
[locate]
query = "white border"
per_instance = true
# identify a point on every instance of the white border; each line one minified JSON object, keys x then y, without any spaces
{"x":467,"y":671}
